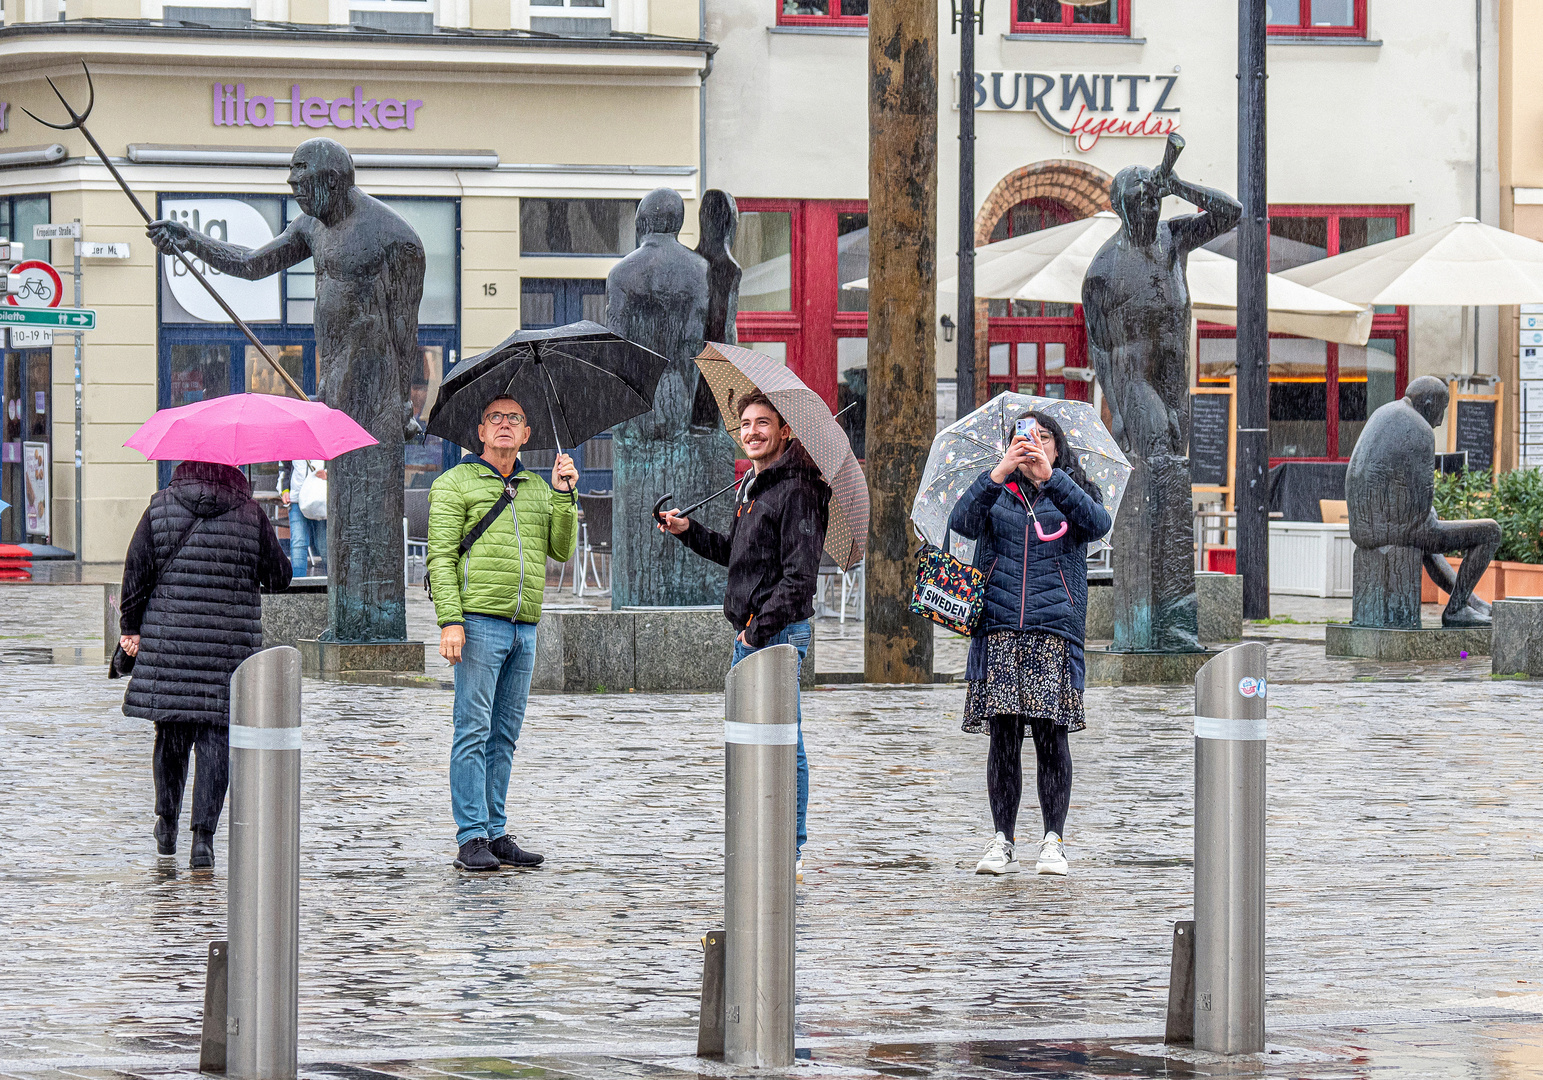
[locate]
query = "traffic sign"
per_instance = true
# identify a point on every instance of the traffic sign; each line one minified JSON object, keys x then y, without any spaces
{"x":31,"y":337}
{"x":33,"y":283}
{"x":68,"y":230}
{"x":96,"y":249}
{"x":62,"y":318}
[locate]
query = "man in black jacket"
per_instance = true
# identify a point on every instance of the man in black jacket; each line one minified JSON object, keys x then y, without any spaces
{"x":772,"y":550}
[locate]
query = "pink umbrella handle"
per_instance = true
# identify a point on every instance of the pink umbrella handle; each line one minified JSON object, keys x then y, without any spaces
{"x":1039,"y":531}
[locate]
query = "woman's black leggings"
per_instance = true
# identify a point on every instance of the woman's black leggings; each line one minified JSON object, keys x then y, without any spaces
{"x":1004,"y":771}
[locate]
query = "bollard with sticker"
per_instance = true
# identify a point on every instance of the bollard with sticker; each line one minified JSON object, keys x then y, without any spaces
{"x":263,"y":913}
{"x":760,"y":734}
{"x":1231,"y":694}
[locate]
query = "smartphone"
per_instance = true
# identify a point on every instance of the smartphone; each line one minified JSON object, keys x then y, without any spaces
{"x":1025,"y":428}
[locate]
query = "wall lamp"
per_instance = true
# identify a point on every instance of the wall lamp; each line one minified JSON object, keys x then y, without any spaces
{"x":948,"y":328}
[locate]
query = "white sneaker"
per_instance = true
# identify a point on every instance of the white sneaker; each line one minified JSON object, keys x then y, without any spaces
{"x":1000,"y":858}
{"x":1052,"y":859}
{"x":798,"y":869}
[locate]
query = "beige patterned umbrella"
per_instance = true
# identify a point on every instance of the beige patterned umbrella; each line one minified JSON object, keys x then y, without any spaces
{"x":731,"y":371}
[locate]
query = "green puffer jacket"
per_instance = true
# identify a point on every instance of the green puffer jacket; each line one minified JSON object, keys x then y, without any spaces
{"x":504,"y":573}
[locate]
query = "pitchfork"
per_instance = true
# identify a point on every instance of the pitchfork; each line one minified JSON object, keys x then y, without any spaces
{"x":78,"y":122}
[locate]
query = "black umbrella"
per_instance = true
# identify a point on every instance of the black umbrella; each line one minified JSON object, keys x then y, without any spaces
{"x":588,"y":379}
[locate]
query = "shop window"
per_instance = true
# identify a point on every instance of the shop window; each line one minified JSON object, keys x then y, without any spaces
{"x":763,"y":247}
{"x":1308,"y":377}
{"x":578,"y":226}
{"x":822,"y":12}
{"x":852,"y":391}
{"x":18,"y":215}
{"x":1053,"y":17}
{"x":547,"y":302}
{"x":851,"y":260}
{"x":262,"y":379}
{"x":437,"y":224}
{"x":1316,"y":18}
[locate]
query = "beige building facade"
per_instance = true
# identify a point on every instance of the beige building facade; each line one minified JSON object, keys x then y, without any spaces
{"x":1521,"y":187}
{"x":516,"y":137}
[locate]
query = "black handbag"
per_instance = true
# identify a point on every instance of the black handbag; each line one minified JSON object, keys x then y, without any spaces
{"x":122,"y":663}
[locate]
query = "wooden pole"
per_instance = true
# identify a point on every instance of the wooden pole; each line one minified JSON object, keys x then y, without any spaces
{"x":902,"y":314}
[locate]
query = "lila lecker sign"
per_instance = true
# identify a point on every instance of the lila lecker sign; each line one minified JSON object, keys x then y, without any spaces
{"x":234,"y":107}
{"x":1084,"y":105}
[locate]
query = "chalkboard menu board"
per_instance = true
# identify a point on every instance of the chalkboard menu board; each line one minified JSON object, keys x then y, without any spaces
{"x":1210,"y":437}
{"x":1475,"y":422}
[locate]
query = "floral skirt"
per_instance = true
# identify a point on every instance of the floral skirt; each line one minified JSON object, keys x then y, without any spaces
{"x":1028,"y":673}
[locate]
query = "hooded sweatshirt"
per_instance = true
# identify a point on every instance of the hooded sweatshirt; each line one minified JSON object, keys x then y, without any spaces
{"x":773,"y":546}
{"x":198,"y":614}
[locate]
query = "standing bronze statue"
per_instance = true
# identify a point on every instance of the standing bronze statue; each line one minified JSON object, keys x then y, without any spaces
{"x":1135,"y":301}
{"x":369,"y":281}
{"x":1390,"y":492}
{"x":662,"y":296}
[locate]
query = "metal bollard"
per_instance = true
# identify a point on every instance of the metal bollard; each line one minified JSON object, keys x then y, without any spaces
{"x":760,"y":733}
{"x":263,"y":919}
{"x":1230,"y":693}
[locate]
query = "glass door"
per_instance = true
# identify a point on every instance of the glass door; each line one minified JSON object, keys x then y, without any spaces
{"x":1030,"y":356}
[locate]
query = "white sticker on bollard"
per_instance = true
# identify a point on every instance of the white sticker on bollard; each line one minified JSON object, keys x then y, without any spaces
{"x":1237,"y":730}
{"x":758,"y":734}
{"x":259,"y":738}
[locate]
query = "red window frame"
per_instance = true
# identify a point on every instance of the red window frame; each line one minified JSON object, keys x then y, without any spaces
{"x":1304,"y":27}
{"x":812,"y":325}
{"x":1119,"y":28}
{"x":1394,"y":325}
{"x":835,"y":18}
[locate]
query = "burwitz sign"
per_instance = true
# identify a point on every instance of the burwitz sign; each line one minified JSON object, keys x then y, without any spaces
{"x":1086,"y":106}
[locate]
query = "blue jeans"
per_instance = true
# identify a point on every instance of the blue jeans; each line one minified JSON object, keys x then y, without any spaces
{"x":492,"y":683}
{"x":305,"y":534}
{"x":798,"y":635}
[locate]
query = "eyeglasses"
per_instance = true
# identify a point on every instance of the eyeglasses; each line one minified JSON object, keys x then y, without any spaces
{"x":496,"y":418}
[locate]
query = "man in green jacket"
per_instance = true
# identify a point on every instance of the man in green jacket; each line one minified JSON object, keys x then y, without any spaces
{"x":487,"y":602}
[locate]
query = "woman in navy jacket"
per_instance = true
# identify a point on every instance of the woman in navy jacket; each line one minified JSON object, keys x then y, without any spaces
{"x":1032,"y":517}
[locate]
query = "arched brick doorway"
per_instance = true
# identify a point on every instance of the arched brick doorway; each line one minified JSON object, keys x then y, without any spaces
{"x":1027,"y":346}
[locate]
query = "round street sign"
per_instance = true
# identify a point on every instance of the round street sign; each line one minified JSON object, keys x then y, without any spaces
{"x":35,"y":284}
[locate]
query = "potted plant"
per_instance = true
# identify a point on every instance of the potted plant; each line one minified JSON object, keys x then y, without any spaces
{"x":1515,"y":500}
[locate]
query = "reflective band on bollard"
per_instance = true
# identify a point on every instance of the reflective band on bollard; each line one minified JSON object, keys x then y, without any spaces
{"x":761,"y":799}
{"x":1230,"y":702}
{"x":262,"y":1012}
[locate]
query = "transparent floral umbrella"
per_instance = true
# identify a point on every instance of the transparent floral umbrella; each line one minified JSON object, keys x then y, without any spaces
{"x":966,"y":447}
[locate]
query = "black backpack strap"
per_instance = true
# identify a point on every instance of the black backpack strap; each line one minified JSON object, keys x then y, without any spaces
{"x":487,"y":519}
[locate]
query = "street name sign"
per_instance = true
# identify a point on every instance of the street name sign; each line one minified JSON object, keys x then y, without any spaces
{"x":95,"y":249}
{"x":59,"y":318}
{"x":67,"y":230}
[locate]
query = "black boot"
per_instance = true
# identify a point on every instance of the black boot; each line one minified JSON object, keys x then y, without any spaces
{"x":508,"y":853}
{"x":203,"y":850}
{"x":165,"y":836}
{"x":474,"y":855}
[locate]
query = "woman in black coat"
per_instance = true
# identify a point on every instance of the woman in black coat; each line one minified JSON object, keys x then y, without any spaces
{"x":190,"y":614}
{"x":1032,"y":517}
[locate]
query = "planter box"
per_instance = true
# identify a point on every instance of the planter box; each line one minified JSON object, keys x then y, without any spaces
{"x":1309,"y":558}
{"x":1500,"y":580}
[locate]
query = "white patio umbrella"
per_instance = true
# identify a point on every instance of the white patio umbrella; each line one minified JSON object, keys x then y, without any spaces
{"x":1464,"y":264}
{"x":1049,"y":266}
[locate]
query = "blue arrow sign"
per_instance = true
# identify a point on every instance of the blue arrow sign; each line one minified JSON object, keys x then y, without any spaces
{"x":58,"y":318}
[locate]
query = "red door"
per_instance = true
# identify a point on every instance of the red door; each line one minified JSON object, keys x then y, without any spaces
{"x":1030,"y":356}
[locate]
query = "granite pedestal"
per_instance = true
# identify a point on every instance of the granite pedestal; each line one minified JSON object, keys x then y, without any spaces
{"x":1387,"y":643}
{"x":643,"y":648}
{"x":294,"y":616}
{"x":1106,"y":668}
{"x":1221,"y":608}
{"x":1517,"y":637}
{"x":330,"y":659}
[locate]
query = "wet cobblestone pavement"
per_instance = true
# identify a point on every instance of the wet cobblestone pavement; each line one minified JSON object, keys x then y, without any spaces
{"x":1405,"y":873}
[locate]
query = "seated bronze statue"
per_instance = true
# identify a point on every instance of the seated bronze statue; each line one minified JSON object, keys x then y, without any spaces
{"x":1390,"y":488}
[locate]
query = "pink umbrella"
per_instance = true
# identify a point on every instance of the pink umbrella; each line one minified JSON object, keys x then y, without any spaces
{"x":239,"y":429}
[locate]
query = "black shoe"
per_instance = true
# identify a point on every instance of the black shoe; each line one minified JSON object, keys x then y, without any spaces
{"x":203,"y":851}
{"x":508,"y":853}
{"x":474,"y":855}
{"x":165,"y":836}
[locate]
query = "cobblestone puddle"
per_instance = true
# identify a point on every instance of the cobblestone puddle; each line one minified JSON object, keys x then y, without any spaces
{"x":1405,"y":866}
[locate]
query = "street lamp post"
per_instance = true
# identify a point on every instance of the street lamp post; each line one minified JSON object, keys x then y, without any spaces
{"x":964,"y":378}
{"x":1253,"y":337}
